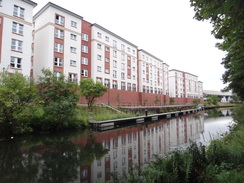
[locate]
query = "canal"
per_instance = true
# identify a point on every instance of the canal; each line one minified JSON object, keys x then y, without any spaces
{"x":88,"y":156}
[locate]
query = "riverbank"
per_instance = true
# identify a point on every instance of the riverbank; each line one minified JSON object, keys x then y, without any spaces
{"x":221,"y":161}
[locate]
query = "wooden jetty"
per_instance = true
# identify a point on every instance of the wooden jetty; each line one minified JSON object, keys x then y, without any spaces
{"x":110,"y":124}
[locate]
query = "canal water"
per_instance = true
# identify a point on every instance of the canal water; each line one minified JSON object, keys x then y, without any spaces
{"x":88,"y":156}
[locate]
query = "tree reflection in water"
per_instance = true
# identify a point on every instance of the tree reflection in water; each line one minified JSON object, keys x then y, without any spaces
{"x":55,"y":158}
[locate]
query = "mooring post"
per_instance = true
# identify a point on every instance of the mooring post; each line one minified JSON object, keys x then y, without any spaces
{"x":146,"y":112}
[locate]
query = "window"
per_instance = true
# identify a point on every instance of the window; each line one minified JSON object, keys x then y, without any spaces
{"x":58,"y":62}
{"x":0,"y":2}
{"x":122,"y":85}
{"x":73,"y":36}
{"x":107,"y":83}
{"x":123,"y":66}
{"x":17,"y":28}
{"x":72,"y":62}
{"x":73,"y":77}
{"x":18,"y":11}
{"x":84,"y":49}
{"x":114,"y":63}
{"x":114,"y":74}
{"x":106,"y":59}
{"x":128,"y":57}
{"x":122,"y":75}
{"x":107,"y":49}
{"x":84,"y":37}
{"x":114,"y":84}
{"x":73,"y":23}
{"x":17,"y":45}
{"x":58,"y":48}
{"x":99,"y":80}
{"x":84,"y":73}
{"x":99,"y":34}
{"x":134,"y":87}
{"x":59,"y":20}
{"x":99,"y":68}
{"x":15,"y":62}
{"x":73,"y":49}
{"x":99,"y":46}
{"x":57,"y":74}
{"x":84,"y":60}
{"x":128,"y":86}
{"x":114,"y":53}
{"x":107,"y":71}
{"x":84,"y":173}
{"x":128,"y":49}
{"x":114,"y":43}
{"x":133,"y":51}
{"x":107,"y":38}
{"x":122,"y":47}
{"x":59,"y":33}
{"x":134,"y":68}
{"x":99,"y":57}
{"x":122,"y":56}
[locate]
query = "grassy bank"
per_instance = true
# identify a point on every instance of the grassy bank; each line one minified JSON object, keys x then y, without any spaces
{"x":222,"y":161}
{"x":100,"y":114}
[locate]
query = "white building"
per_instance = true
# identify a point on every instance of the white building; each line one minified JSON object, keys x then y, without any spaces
{"x":184,"y":85}
{"x":16,"y":35}
{"x":152,"y":72}
{"x":57,"y":39}
{"x":114,"y":60}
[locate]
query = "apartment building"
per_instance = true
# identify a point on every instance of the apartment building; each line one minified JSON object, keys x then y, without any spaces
{"x":57,"y":42}
{"x":114,"y":60}
{"x":184,"y":85}
{"x":61,"y":41}
{"x":16,"y":36}
{"x":151,"y":72}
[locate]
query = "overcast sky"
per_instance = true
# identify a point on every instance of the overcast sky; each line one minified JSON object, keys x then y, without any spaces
{"x":164,"y":28}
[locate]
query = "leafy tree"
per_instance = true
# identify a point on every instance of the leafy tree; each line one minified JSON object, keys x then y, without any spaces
{"x":91,"y":90}
{"x":59,"y":100}
{"x":171,"y":101}
{"x":196,"y":101}
{"x":213,"y":99}
{"x":156,"y":100}
{"x":227,"y":18}
{"x":19,"y":101}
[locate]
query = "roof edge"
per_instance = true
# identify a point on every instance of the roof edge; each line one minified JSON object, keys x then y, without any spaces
{"x":50,"y":4}
{"x":115,"y":35}
{"x":34,"y":4}
{"x":151,"y":55}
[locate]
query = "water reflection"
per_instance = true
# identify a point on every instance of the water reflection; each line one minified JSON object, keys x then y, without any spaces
{"x":90,"y":156}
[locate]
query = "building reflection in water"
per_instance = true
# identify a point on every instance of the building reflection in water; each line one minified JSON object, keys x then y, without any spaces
{"x":134,"y":146}
{"x":89,"y":157}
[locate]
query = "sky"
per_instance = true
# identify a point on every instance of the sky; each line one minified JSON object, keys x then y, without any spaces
{"x":164,"y":28}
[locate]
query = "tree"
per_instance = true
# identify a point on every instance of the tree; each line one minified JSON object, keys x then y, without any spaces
{"x":227,"y":17}
{"x":59,"y":97}
{"x":213,"y":99}
{"x":196,"y":101}
{"x":156,"y":100}
{"x":19,"y":101}
{"x":91,"y":90}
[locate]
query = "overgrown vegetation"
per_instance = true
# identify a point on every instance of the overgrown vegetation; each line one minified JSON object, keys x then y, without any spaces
{"x":100,"y":114}
{"x":222,"y":161}
{"x":227,"y":18}
{"x":49,"y":105}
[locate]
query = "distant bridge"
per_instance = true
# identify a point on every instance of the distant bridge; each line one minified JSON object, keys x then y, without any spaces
{"x":223,"y":96}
